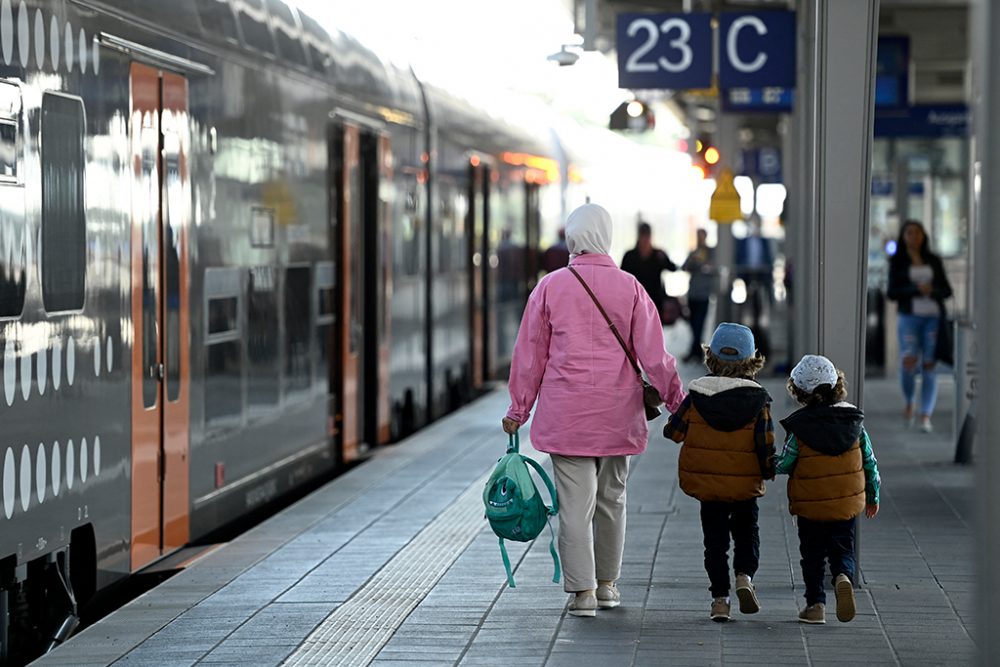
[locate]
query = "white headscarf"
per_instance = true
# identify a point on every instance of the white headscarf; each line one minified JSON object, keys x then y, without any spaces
{"x":588,"y":230}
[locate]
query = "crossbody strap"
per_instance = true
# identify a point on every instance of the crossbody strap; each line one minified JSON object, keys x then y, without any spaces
{"x":614,"y":329}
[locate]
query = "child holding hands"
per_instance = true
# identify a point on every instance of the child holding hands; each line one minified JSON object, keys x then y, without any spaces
{"x":833,"y":478}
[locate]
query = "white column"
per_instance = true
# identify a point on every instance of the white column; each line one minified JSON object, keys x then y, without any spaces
{"x":836,"y":100}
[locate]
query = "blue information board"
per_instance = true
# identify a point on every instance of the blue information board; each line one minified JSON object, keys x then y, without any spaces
{"x":668,"y":51}
{"x":757,"y":50}
{"x":775,"y":100}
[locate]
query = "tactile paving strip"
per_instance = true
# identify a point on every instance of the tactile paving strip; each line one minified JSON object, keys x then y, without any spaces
{"x":357,"y":630}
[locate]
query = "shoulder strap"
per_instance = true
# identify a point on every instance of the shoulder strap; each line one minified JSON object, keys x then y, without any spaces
{"x":614,"y":329}
{"x":548,"y":484}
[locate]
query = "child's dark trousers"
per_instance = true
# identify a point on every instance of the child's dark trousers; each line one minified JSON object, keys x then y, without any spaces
{"x":821,"y":540}
{"x":718,"y":521}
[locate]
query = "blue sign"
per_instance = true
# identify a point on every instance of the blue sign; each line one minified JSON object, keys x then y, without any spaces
{"x":757,"y":50}
{"x":762,"y":164}
{"x":758,"y":99}
{"x":892,"y":72}
{"x":942,"y":120}
{"x":669,"y":51}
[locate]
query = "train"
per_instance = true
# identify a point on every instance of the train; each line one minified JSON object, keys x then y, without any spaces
{"x":238,"y":251}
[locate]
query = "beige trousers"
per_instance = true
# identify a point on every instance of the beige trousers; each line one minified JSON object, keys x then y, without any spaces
{"x":591,"y":518}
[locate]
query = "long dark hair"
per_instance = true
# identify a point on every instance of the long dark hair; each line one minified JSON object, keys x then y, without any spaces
{"x":925,"y":248}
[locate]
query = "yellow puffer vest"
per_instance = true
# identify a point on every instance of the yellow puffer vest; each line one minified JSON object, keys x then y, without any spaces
{"x":719,"y":465}
{"x":827,"y":488}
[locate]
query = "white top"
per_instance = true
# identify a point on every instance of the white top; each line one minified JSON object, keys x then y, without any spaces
{"x":925,"y":306}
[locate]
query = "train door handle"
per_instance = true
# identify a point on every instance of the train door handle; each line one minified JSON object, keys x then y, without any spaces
{"x":157,"y":372}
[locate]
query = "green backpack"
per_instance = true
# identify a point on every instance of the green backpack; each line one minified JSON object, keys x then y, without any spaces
{"x":514,"y":507}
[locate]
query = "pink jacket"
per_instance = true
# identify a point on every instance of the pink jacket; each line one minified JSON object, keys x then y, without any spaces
{"x":589,"y":401}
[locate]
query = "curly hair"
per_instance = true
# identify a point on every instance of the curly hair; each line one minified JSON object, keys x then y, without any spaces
{"x":821,"y":395}
{"x":744,"y":368}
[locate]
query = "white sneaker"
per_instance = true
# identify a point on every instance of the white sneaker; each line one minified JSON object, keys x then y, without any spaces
{"x":583,"y":605}
{"x":608,"y":596}
{"x":925,"y":425}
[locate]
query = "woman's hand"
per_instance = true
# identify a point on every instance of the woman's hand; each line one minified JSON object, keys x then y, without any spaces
{"x":871,"y":511}
{"x":510,"y":426}
{"x":925,"y":288}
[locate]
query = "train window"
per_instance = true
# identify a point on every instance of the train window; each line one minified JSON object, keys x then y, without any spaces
{"x":262,"y":337}
{"x":325,"y":306}
{"x":223,"y":316}
{"x":261,"y":227}
{"x":355,"y":253}
{"x":317,"y":59}
{"x":64,"y":226}
{"x":256,"y":33}
{"x":290,"y":48}
{"x":172,"y":262}
{"x":281,"y":11}
{"x":298,"y":293}
{"x":217,"y":19}
{"x":8,"y":151}
{"x":325,"y":320}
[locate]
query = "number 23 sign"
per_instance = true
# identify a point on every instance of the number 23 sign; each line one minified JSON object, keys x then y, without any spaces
{"x":674,"y":51}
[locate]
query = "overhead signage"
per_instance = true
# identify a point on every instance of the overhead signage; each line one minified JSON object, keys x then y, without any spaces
{"x":757,"y":50}
{"x":669,"y":51}
{"x":762,"y":164}
{"x":676,"y":51}
{"x":774,"y":99}
{"x":939,"y":120}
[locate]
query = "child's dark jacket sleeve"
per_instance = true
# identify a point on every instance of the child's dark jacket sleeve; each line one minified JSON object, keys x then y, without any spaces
{"x":677,"y":426}
{"x":764,"y":442}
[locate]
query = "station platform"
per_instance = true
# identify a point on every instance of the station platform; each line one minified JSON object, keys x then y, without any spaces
{"x":393,"y":564}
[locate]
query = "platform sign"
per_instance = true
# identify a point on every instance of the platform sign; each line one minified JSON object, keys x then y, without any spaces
{"x":757,"y":50}
{"x":725,"y":205}
{"x":773,"y":99}
{"x":665,"y":51}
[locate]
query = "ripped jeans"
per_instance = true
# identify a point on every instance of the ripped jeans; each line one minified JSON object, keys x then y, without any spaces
{"x":917,"y":340}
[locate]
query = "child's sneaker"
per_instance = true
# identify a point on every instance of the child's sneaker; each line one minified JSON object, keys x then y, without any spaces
{"x":608,"y":596}
{"x":720,"y":610}
{"x":749,"y":604}
{"x":814,"y":613}
{"x":845,"y":598}
{"x":583,"y":605}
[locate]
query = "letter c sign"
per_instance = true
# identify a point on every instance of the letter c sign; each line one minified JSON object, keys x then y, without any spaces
{"x":758,"y":50}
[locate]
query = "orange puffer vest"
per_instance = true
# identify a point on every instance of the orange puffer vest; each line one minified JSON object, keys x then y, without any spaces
{"x":719,"y":465}
{"x":823,"y":487}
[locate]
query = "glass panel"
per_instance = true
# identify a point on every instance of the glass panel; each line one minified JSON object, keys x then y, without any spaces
{"x":150,"y":180}
{"x":172,"y":262}
{"x":223,"y":393}
{"x":280,"y":10}
{"x":262,"y":337}
{"x":64,"y":227}
{"x":354,"y":256}
{"x":297,"y":327}
{"x":217,"y":19}
{"x":317,"y":59}
{"x":256,"y":34}
{"x":290,"y":48}
{"x":8,"y":151}
{"x":223,"y":315}
{"x":325,"y":302}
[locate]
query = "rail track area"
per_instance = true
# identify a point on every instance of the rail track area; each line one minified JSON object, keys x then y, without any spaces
{"x":393,"y":564}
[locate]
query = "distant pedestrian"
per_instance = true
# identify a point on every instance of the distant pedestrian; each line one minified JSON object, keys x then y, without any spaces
{"x":701,"y":265}
{"x":590,"y":414}
{"x":833,"y":478}
{"x":556,"y":256}
{"x":725,"y":425}
{"x":917,"y":282}
{"x":647,"y":263}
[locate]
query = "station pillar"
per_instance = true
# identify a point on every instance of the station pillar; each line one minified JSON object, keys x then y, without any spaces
{"x":835,"y":112}
{"x":985,"y":22}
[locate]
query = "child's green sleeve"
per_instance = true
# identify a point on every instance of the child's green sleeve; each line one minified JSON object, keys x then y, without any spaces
{"x":873,"y":481}
{"x":785,"y":462}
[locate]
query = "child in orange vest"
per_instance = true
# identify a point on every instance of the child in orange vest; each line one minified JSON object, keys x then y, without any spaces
{"x":725,"y":425}
{"x":833,"y":478}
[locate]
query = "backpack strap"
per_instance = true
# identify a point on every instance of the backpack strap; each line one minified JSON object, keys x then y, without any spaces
{"x":552,"y":511}
{"x":506,"y":564}
{"x":514,"y":445}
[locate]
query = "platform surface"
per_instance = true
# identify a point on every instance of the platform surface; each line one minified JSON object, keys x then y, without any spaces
{"x":393,"y":564}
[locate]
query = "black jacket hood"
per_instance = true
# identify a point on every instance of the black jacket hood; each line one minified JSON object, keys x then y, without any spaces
{"x":728,"y":404}
{"x":829,"y":429}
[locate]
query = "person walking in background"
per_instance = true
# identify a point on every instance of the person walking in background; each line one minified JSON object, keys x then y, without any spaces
{"x":918,"y":284}
{"x":701,"y":265}
{"x":556,"y":256}
{"x":725,"y":425}
{"x":647,"y":264}
{"x":832,"y":478}
{"x":755,"y":266}
{"x":590,"y":415}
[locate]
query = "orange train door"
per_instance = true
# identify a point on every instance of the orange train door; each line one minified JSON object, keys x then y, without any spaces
{"x":361,"y":162}
{"x":161,"y":194}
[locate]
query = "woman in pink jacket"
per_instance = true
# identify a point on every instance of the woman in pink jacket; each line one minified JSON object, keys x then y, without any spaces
{"x":590,"y":415}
